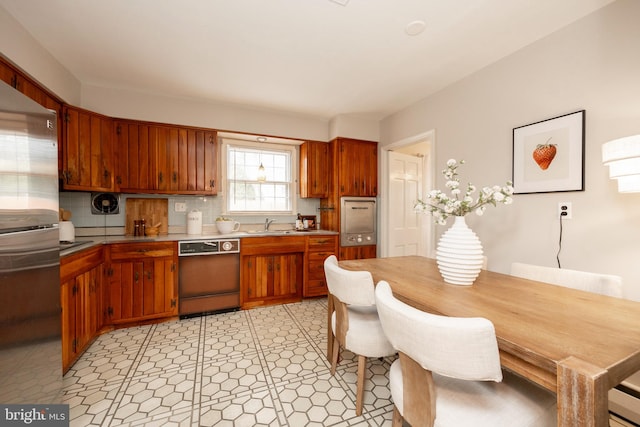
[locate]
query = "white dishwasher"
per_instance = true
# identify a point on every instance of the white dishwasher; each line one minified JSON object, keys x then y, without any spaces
{"x":208,"y":276}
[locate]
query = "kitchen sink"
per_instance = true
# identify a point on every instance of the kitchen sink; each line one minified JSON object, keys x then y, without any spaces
{"x":269,"y":231}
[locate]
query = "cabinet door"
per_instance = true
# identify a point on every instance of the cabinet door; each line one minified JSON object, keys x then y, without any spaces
{"x":357,"y":168}
{"x":142,"y":289}
{"x":8,"y":74}
{"x":83,"y":318}
{"x":135,"y":160}
{"x":93,"y":300}
{"x":159,"y":294}
{"x":68,"y":302}
{"x":87,"y":151}
{"x":126,"y":296}
{"x":209,"y":183}
{"x":314,"y":169}
{"x":286,"y":275}
{"x":197,"y":161}
{"x":348,"y":169}
{"x":121,"y":291}
{"x":369,"y":169}
{"x":166,"y":158}
{"x":357,"y":252}
{"x":272,"y":278}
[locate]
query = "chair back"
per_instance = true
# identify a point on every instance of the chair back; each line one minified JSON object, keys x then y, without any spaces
{"x":604,"y":284}
{"x":350,"y":287}
{"x":463,"y":348}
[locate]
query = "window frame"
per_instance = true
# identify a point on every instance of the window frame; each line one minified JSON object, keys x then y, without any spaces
{"x":259,"y":146}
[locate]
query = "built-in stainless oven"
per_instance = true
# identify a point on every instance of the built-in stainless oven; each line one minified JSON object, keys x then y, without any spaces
{"x":358,"y":221}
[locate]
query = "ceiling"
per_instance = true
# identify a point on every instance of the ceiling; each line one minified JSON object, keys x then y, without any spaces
{"x":319,"y":58}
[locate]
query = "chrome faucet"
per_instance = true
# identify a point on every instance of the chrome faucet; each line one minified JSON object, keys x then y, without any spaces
{"x":267,"y":223}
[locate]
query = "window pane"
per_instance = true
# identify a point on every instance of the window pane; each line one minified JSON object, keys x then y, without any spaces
{"x":249,"y":194}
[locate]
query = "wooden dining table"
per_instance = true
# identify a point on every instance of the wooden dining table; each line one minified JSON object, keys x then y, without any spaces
{"x":574,"y":343}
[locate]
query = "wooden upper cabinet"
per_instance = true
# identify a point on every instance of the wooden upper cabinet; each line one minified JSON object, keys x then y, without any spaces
{"x":133,"y":157}
{"x":314,"y":169}
{"x":7,"y":74}
{"x":87,"y":162}
{"x":28,"y":87}
{"x":357,"y":167}
{"x":156,"y":158}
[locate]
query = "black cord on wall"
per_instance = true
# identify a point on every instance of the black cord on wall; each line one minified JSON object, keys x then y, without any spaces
{"x":562,"y":214}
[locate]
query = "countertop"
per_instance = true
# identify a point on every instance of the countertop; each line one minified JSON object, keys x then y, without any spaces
{"x":85,"y":242}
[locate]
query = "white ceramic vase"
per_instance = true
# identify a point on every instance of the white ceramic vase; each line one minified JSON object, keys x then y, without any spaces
{"x":459,"y":254}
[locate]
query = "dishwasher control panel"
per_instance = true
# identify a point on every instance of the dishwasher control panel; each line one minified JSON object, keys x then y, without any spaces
{"x":208,"y":247}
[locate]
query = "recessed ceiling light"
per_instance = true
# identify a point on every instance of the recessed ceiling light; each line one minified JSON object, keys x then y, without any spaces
{"x":341,"y":2}
{"x":415,"y":27}
{"x":261,"y":139}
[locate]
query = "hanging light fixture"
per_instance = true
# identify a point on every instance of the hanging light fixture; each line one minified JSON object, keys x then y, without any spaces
{"x":623,"y":158}
{"x":262,"y":174}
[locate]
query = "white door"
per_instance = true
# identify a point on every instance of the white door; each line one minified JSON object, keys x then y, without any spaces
{"x":405,"y":187}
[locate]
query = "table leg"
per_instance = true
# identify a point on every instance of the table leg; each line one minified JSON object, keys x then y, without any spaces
{"x":330,"y":310}
{"x":582,"y":394}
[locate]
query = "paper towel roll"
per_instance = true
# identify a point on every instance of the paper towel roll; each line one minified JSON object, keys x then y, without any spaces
{"x":194,"y":222}
{"x":67,"y":231}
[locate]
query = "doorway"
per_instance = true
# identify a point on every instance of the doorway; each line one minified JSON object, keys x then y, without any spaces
{"x":407,"y":168}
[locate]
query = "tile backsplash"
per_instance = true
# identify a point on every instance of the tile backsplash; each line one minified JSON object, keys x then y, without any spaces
{"x":79,"y":203}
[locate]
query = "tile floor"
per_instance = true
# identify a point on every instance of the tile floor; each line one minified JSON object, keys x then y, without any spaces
{"x":259,"y":367}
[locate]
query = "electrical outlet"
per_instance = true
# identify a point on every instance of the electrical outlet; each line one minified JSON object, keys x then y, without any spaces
{"x":180,"y":207}
{"x":564,"y":210}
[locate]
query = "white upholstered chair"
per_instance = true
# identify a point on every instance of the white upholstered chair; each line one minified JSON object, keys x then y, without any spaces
{"x":448,"y":372}
{"x":604,"y":284}
{"x":355,"y":323}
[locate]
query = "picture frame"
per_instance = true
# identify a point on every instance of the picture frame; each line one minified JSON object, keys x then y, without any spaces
{"x":548,"y":156}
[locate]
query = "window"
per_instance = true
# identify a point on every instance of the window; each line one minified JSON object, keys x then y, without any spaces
{"x":259,"y":178}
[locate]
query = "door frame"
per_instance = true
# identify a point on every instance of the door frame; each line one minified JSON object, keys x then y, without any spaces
{"x":428,"y":167}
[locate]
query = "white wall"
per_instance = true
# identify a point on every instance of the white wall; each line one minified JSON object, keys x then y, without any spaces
{"x":22,"y":49}
{"x":593,"y":64}
{"x":353,"y":126}
{"x":150,"y":107}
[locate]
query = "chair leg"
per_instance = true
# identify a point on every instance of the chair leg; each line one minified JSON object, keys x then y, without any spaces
{"x":334,"y":356}
{"x":397,"y":418}
{"x":362,"y":361}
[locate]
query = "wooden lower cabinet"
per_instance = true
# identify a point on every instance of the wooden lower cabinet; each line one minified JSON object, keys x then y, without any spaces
{"x":272,"y":278}
{"x":271,"y":270}
{"x":142,"y":280}
{"x":357,"y":252}
{"x":81,"y":278}
{"x":319,"y":248}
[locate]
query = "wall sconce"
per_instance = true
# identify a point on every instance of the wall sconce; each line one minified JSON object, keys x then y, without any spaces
{"x":262,"y":174}
{"x":623,"y":158}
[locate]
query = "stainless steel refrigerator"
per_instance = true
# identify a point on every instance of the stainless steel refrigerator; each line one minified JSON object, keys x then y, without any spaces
{"x":30,"y":311}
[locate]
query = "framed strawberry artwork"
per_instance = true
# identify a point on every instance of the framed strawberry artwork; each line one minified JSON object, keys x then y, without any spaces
{"x":548,"y":156}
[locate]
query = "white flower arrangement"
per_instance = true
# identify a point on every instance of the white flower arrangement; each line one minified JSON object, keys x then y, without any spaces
{"x":441,"y":206}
